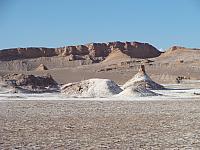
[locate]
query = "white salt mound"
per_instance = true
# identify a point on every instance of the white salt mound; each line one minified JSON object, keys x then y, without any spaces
{"x":91,"y":88}
{"x":136,"y":92}
{"x":141,"y":78}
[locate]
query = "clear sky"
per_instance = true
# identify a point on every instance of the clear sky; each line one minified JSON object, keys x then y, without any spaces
{"x":55,"y":23}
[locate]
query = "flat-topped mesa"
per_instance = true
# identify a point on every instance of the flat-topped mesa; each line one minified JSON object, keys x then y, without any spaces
{"x":25,"y":53}
{"x":93,"y":50}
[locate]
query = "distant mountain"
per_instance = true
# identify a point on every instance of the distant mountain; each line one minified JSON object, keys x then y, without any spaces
{"x":26,"y":59}
{"x":89,"y":51}
{"x":178,"y":53}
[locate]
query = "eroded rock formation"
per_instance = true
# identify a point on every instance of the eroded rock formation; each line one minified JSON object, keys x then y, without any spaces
{"x":30,"y":83}
{"x":93,"y":50}
{"x":41,"y":67}
{"x":141,"y":79}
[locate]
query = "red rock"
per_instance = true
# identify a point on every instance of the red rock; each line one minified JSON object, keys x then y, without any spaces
{"x":94,"y":50}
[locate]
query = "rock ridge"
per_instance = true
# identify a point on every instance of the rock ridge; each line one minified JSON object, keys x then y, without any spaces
{"x":93,"y":51}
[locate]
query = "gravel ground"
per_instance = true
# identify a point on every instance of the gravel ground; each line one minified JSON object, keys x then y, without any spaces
{"x":100,"y":125}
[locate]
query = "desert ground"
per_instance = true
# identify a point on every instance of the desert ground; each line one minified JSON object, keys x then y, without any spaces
{"x":169,"y":120}
{"x":100,"y":124}
{"x":50,"y":121}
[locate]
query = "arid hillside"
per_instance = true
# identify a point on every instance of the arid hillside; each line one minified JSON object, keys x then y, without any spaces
{"x":118,"y":61}
{"x":27,"y":59}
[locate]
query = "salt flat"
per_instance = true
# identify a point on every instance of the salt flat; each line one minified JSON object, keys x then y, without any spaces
{"x":100,"y":124}
{"x":182,"y":91}
{"x":52,"y":121}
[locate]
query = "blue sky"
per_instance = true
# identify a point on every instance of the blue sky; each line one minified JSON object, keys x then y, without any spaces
{"x":55,"y":23}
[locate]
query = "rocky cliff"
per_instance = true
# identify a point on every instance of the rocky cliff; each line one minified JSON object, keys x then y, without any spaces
{"x":93,"y":51}
{"x":25,"y":59}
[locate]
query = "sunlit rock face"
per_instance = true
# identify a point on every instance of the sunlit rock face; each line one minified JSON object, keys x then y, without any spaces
{"x":133,"y":49}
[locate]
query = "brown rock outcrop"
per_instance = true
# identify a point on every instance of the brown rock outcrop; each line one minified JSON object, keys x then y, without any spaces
{"x":25,"y":53}
{"x":41,"y":67}
{"x":93,"y":50}
{"x":31,"y":83}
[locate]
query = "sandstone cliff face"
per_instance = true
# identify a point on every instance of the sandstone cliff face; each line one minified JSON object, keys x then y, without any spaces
{"x":24,"y":53}
{"x":93,"y":50}
{"x":26,"y":59}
